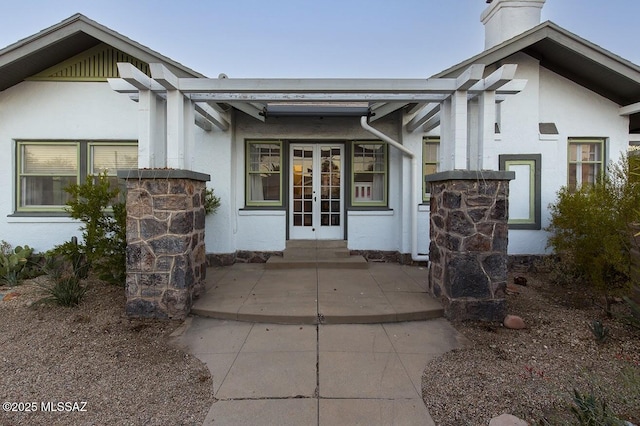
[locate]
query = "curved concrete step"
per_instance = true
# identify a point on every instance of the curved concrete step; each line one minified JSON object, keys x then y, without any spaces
{"x":254,"y":293}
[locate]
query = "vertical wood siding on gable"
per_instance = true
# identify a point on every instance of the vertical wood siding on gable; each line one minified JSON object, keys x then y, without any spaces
{"x":95,"y":64}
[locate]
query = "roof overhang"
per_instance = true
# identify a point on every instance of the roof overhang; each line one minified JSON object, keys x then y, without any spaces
{"x":66,"y":39}
{"x":570,"y":56}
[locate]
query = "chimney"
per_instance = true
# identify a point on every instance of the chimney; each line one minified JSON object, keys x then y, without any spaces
{"x":504,"y":19}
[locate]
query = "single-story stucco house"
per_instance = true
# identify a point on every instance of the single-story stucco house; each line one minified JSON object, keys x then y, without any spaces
{"x":337,"y":159}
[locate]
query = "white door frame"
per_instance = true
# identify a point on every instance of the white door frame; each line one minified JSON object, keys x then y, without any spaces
{"x":316,"y":191}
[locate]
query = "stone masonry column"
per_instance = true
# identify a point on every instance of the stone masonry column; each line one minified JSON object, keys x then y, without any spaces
{"x":166,"y":262}
{"x":468,"y":248}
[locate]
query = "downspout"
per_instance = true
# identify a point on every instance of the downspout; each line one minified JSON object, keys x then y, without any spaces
{"x":414,"y":176}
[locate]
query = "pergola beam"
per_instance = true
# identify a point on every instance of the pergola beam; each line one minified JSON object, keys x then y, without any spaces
{"x":249,"y":109}
{"x":202,"y":122}
{"x":212,"y":116}
{"x":385,"y":109}
{"x":432,"y":123}
{"x":231,"y":97}
{"x":164,"y":77}
{"x":469,"y":77}
{"x":498,"y":78}
{"x":136,"y":78}
{"x":201,"y":85}
{"x":423,"y":116}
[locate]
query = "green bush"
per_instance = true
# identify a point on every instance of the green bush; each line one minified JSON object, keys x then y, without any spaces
{"x":211,"y":202}
{"x":590,"y":229}
{"x":104,"y":244}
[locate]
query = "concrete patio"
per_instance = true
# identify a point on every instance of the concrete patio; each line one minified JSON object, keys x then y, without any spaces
{"x":382,"y":292}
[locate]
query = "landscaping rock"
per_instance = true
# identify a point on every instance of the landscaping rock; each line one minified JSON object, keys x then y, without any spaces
{"x":10,"y":296}
{"x":507,"y":420}
{"x":514,"y":322}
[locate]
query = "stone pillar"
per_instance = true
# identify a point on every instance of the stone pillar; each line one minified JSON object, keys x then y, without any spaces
{"x":166,"y":256}
{"x":468,"y":248}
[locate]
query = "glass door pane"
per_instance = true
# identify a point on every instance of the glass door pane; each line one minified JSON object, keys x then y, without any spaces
{"x":316,"y":201}
{"x":302,"y":179}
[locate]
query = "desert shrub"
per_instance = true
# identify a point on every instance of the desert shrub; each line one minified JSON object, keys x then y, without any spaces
{"x":211,"y":202}
{"x":66,"y":291}
{"x":103,"y":247}
{"x":65,"y":287}
{"x":591,"y":229}
{"x":591,"y":411}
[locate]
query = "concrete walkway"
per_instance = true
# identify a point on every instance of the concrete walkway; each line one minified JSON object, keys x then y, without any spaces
{"x":307,"y":370}
{"x":342,"y":374}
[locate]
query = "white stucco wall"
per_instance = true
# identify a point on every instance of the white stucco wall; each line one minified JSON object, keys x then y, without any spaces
{"x":92,"y":111}
{"x":576,"y":111}
{"x":261,"y":230}
{"x":37,"y":110}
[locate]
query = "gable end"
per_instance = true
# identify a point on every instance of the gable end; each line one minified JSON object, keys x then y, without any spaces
{"x":95,"y":64}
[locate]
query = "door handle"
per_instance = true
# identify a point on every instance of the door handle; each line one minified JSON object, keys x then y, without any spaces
{"x":314,"y":199}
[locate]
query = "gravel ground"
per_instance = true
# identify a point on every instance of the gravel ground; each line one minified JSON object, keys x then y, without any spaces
{"x":531,"y":373}
{"x":125,"y":370}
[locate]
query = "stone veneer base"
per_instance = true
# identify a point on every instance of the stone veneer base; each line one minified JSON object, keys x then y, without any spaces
{"x":166,"y":255}
{"x":468,"y":242}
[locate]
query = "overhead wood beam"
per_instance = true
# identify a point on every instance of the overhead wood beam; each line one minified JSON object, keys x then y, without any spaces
{"x":386,"y":109}
{"x":202,"y":122}
{"x":248,"y":109}
{"x":425,"y":114}
{"x":512,"y":87}
{"x":500,"y":77}
{"x":416,"y":107}
{"x":222,"y":109}
{"x":164,"y":77}
{"x":432,"y":123}
{"x":212,"y":116}
{"x":316,"y":97}
{"x":630,"y":109}
{"x":134,"y":76}
{"x":469,"y":77}
{"x":226,"y":85}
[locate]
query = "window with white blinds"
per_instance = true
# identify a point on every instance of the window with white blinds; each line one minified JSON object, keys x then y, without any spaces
{"x":45,"y":169}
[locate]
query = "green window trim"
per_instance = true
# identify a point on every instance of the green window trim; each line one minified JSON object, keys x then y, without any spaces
{"x":261,"y":174}
{"x":430,"y":162}
{"x":39,"y":186}
{"x":534,"y":177}
{"x":384,"y":174}
{"x":576,"y":163}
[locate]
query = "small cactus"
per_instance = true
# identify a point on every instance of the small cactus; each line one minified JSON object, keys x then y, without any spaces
{"x":599,"y":331}
{"x":12,"y":262}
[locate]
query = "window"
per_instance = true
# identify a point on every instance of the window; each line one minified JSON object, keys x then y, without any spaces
{"x":111,"y":158}
{"x":369,"y":174}
{"x":430,"y":162}
{"x":45,"y":169}
{"x":586,"y":161}
{"x":524,"y":190}
{"x":264,"y":173}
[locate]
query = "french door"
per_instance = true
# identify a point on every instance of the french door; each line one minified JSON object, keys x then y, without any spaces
{"x":316,"y":193}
